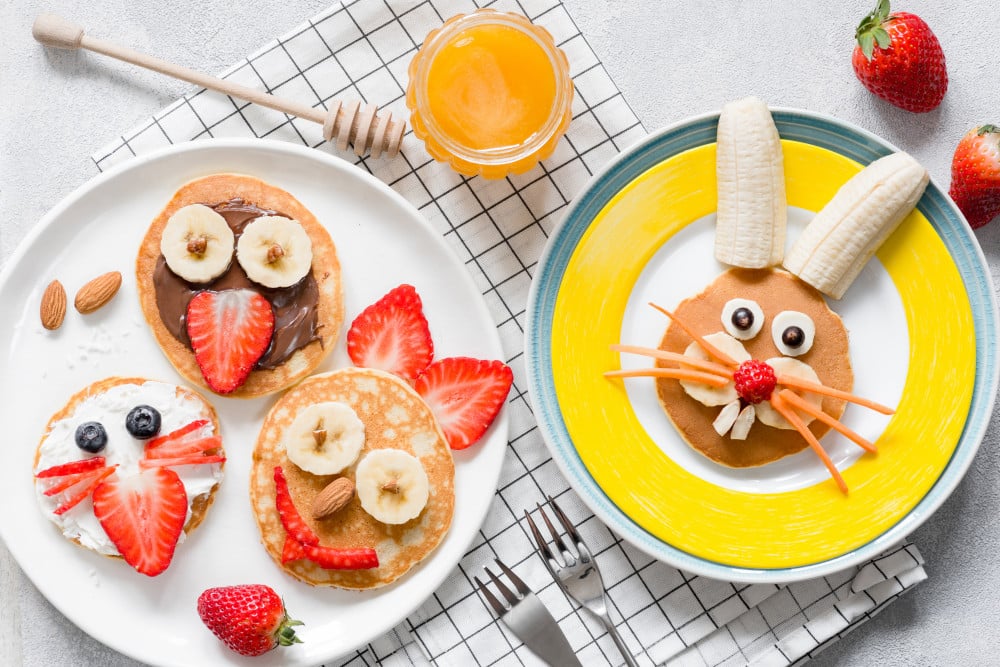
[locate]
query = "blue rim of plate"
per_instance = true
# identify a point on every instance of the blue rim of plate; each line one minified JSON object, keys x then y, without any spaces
{"x":796,"y":125}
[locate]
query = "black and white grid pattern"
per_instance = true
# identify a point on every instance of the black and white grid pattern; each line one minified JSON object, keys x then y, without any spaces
{"x":498,"y":228}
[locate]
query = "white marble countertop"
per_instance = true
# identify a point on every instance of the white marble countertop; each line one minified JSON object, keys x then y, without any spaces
{"x":672,"y":59}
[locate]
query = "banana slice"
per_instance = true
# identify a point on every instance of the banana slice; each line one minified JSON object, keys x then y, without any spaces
{"x":325,"y":438}
{"x":703,"y":393}
{"x":727,"y":417}
{"x":392,"y":485}
{"x":794,"y":368}
{"x":741,"y":427}
{"x":197,"y":244}
{"x":843,"y":236}
{"x":274,"y":251}
{"x":749,"y":164}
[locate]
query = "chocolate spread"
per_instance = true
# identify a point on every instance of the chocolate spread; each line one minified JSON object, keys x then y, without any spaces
{"x":295,"y":316}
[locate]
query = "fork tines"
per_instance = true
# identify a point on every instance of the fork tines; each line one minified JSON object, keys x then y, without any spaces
{"x":570,"y":557}
{"x":510,"y":596}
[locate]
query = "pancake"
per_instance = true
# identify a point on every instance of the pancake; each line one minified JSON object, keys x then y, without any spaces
{"x":217,"y":189}
{"x":395,"y":417}
{"x":195,"y":403}
{"x":774,"y":291}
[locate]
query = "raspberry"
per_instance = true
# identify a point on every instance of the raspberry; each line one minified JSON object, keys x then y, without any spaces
{"x":755,"y":381}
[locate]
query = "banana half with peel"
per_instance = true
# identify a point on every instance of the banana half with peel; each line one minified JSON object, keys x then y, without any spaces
{"x":752,"y":209}
{"x":750,"y":173}
{"x":845,"y":234}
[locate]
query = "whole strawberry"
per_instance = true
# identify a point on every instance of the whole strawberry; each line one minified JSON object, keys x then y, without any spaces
{"x":899,"y":59}
{"x":250,"y":619}
{"x":975,"y":175}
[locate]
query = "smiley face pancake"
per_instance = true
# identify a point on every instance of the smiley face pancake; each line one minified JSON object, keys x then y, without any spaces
{"x":382,"y":437}
{"x":773,"y":292}
{"x":130,"y":434}
{"x":230,"y":243}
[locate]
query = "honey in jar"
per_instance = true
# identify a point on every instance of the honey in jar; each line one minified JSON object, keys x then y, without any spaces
{"x":490,"y":94}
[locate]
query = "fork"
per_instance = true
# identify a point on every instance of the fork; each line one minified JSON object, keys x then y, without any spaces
{"x":576,"y":573}
{"x":528,"y":619}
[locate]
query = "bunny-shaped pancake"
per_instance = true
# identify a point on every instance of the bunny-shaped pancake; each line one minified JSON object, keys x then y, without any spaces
{"x":774,"y":292}
{"x":757,"y":366}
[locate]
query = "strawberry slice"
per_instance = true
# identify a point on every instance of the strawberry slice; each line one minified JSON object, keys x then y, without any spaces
{"x":301,"y":542}
{"x":66,"y":481}
{"x":392,"y":335}
{"x":85,"y":489}
{"x":292,"y":550}
{"x":80,"y":478}
{"x":229,"y":331}
{"x":177,"y":434}
{"x":143,"y":515}
{"x":293,"y":522}
{"x":183,"y":446}
{"x":182,"y":443}
{"x":72,"y":467}
{"x":188,"y":447}
{"x":341,"y":559}
{"x":191,"y":460}
{"x":327,"y":557}
{"x":465,"y":396}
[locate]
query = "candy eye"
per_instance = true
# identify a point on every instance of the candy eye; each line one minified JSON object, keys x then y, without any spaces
{"x":742,"y":318}
{"x":793,"y":332}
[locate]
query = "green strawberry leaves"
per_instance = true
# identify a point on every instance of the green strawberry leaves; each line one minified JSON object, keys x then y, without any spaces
{"x":871,"y":33}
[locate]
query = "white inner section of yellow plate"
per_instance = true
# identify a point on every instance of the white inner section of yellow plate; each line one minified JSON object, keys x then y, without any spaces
{"x":879,"y":342}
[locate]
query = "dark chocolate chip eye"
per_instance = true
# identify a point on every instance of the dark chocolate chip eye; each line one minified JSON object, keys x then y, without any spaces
{"x":742,"y":318}
{"x":792,"y":332}
{"x":793,"y":337}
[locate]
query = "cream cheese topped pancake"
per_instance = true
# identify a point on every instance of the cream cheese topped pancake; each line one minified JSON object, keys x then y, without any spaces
{"x":774,"y":291}
{"x":108,"y":402}
{"x":394,"y":417}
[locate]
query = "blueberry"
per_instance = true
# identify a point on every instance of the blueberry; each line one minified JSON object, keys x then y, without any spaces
{"x":91,"y":437}
{"x":143,"y":422}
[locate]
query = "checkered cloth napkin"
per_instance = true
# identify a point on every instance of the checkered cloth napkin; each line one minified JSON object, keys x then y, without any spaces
{"x":361,"y":49}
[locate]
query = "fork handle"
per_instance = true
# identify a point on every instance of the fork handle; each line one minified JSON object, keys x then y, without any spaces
{"x":619,"y":642}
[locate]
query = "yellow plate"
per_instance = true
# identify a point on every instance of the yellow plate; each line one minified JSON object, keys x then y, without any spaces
{"x":578,"y":310}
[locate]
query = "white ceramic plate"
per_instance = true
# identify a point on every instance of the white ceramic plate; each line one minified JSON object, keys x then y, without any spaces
{"x":381,"y":240}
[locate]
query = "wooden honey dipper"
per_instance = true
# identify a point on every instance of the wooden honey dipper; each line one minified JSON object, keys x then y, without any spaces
{"x":344,"y":122}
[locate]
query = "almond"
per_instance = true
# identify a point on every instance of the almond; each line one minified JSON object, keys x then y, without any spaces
{"x":333,"y":498}
{"x":53,"y":306}
{"x":97,"y":292}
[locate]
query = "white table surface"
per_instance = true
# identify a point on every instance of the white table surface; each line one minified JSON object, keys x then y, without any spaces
{"x":672,"y":59}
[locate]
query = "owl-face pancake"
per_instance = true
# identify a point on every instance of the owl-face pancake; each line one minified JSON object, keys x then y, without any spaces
{"x":307,"y":315}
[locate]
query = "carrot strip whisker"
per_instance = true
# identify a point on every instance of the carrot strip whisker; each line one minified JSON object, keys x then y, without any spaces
{"x":700,"y":364}
{"x":712,"y":350}
{"x":806,"y":385}
{"x":710,"y":379}
{"x":788,"y":413}
{"x":805,"y":406}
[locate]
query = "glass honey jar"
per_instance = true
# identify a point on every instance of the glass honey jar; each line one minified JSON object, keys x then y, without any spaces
{"x":489,"y":93}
